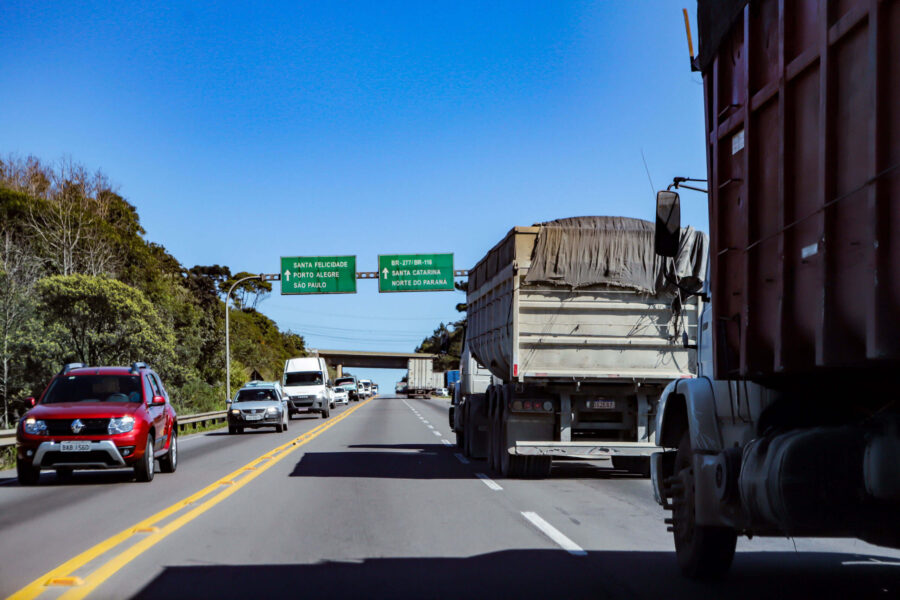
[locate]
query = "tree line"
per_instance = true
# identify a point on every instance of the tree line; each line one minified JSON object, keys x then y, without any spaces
{"x":79,"y":283}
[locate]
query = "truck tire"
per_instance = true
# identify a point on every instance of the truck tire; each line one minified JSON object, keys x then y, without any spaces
{"x":511,"y":465}
{"x":638,"y":465}
{"x":326,"y":412}
{"x":538,"y":467}
{"x":703,"y":552}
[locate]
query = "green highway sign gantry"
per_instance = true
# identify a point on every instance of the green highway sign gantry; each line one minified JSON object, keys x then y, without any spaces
{"x":415,"y":272}
{"x":318,"y":274}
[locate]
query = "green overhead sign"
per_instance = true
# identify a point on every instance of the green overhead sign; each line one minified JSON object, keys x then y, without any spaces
{"x":415,"y":272}
{"x":318,"y":274}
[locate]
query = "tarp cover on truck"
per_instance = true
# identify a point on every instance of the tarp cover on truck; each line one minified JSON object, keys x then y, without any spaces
{"x":715,"y":18}
{"x":616,"y":251}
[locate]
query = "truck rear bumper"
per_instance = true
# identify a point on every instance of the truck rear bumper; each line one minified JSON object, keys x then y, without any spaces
{"x":591,"y":450}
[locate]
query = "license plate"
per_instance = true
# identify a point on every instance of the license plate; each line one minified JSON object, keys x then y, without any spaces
{"x":253,"y":417}
{"x":75,"y":446}
{"x":602,"y":404}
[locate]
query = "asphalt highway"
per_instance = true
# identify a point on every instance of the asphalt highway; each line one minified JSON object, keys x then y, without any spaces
{"x":376,"y":502}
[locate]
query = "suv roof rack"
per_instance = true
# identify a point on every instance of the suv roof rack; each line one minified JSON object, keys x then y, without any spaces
{"x":68,"y":367}
{"x":137,"y":366}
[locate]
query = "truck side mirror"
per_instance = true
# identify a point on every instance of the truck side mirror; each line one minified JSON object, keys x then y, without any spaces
{"x":668,"y":223}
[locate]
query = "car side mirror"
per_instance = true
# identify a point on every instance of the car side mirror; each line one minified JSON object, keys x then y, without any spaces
{"x":157,"y":401}
{"x":668,"y":223}
{"x":30,"y":402}
{"x":227,"y":401}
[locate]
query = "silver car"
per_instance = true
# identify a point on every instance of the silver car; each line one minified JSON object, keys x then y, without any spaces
{"x":258,"y":404}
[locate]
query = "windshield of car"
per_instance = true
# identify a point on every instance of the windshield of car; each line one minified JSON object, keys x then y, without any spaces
{"x":304,"y":378}
{"x":94,"y":388}
{"x":256,"y":396}
{"x":346,"y":383}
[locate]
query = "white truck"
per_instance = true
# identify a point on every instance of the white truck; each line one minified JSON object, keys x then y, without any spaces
{"x":307,"y":386}
{"x":576,"y":320}
{"x":419,"y":378}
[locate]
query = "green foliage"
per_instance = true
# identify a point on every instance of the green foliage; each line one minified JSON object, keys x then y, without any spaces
{"x":447,"y":342}
{"x":105,"y":295}
{"x":105,"y":322}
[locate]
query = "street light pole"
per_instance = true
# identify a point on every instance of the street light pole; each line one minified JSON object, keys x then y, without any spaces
{"x":261,"y":277}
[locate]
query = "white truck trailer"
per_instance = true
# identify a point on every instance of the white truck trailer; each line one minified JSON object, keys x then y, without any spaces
{"x":419,"y":378}
{"x":577,"y":321}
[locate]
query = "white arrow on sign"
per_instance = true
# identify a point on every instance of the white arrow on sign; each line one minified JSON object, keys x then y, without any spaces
{"x":384,"y":272}
{"x":287,"y":275}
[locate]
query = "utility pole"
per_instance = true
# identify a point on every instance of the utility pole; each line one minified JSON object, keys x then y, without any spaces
{"x":261,"y":277}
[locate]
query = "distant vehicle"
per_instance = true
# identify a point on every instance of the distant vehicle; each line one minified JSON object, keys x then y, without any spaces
{"x":341,"y":396}
{"x":258,"y":404}
{"x":305,"y":382}
{"x":98,"y":418}
{"x":441,"y":392}
{"x":400,"y":388}
{"x":350,"y":384}
{"x":366,"y":388}
{"x":374,"y":389}
{"x":420,"y":377}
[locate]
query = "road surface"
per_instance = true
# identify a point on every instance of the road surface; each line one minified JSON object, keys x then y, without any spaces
{"x":375,"y":502}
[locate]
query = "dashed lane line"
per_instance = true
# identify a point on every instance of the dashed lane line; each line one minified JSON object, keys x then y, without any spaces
{"x":489,"y":482}
{"x":461,"y":458}
{"x":554,"y":534}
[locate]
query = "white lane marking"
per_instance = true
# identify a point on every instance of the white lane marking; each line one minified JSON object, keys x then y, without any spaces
{"x":554,"y":534}
{"x":488,"y":482}
{"x":430,"y":426}
{"x":424,"y":421}
{"x":446,"y":442}
{"x":437,"y":433}
{"x":461,"y":458}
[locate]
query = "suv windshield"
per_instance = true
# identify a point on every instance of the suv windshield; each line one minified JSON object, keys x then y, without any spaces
{"x":94,"y":388}
{"x":256,"y":396}
{"x":304,"y":378}
{"x":348,"y":383}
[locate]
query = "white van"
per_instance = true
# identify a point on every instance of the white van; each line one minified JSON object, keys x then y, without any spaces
{"x":306,"y":384}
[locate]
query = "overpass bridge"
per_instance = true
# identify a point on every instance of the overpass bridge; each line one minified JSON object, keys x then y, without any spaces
{"x":373,"y":360}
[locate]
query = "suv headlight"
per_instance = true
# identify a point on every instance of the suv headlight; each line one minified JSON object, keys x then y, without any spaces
{"x":34,"y":427}
{"x":120,"y":424}
{"x":272,"y":410}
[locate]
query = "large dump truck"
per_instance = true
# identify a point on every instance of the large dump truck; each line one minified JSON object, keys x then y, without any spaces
{"x":577,"y":320}
{"x":420,"y":378}
{"x":793,"y":426}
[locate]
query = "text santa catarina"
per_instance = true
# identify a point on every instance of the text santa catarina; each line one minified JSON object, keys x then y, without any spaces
{"x":415,"y":272}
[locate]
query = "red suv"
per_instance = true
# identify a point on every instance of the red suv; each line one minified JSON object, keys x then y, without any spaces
{"x":98,"y":418}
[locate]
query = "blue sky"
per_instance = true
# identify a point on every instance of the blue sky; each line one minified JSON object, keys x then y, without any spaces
{"x":248,"y":131}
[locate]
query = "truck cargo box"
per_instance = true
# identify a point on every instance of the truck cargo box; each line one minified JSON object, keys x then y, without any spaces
{"x":581,"y":299}
{"x":802,"y":116}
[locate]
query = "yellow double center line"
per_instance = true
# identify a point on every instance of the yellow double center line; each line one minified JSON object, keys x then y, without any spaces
{"x":153,"y":534}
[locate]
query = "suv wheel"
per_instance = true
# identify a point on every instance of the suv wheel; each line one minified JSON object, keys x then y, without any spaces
{"x":27,"y":474}
{"x":169,"y":462}
{"x":326,"y":412}
{"x":144,"y":468}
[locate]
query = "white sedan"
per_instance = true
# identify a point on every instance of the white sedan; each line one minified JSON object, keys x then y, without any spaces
{"x":341,"y":396}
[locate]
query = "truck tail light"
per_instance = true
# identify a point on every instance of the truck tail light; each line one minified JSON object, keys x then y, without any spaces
{"x":515,"y":370}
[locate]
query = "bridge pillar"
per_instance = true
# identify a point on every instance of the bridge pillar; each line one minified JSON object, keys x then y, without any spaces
{"x":339,"y":369}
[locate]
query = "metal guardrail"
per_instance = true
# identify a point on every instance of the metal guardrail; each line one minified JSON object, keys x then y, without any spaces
{"x":8,"y":436}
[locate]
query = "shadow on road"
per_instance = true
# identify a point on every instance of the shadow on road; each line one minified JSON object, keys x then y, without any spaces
{"x":423,"y":461}
{"x":539,"y":574}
